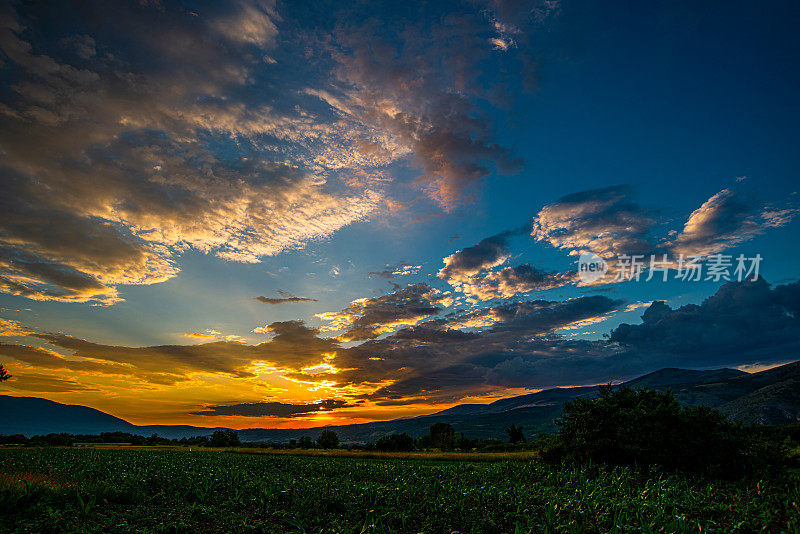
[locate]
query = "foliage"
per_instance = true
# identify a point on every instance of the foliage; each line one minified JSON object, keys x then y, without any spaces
{"x":515,"y":434}
{"x":443,"y":436}
{"x":174,"y":490}
{"x":625,"y":426}
{"x":4,"y":374}
{"x":395,"y":443}
{"x":68,"y":440}
{"x":224,"y":438}
{"x":306,"y":442}
{"x":328,"y":439}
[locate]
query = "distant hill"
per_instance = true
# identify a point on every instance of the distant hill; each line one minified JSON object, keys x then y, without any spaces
{"x":672,"y":377}
{"x":31,"y":416}
{"x":766,"y":397}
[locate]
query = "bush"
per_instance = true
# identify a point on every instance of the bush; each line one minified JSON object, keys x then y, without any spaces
{"x":515,"y":434}
{"x":443,"y":436}
{"x":328,"y":439}
{"x":395,"y":443}
{"x":643,"y":426}
{"x":224,"y":438}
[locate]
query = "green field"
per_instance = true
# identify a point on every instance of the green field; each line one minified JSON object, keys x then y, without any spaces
{"x":127,"y":490}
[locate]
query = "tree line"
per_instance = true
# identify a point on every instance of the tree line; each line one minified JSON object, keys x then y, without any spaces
{"x":621,"y":426}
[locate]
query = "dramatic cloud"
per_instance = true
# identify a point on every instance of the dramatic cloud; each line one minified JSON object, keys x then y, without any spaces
{"x":125,"y":147}
{"x":512,"y":281}
{"x":470,"y":261}
{"x":49,"y":359}
{"x":609,"y":224}
{"x":42,"y":383}
{"x":292,"y":347}
{"x":604,"y":221}
{"x":725,"y":220}
{"x":284,"y":297}
{"x":419,"y":359}
{"x":133,"y":132}
{"x":369,"y":317}
{"x":517,"y":346}
{"x":422,"y":94}
{"x":471,"y":270}
{"x":525,"y":344}
{"x":273,"y":409}
{"x":742,"y":321}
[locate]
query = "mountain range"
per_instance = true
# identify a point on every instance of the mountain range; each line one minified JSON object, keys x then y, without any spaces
{"x":765,"y":397}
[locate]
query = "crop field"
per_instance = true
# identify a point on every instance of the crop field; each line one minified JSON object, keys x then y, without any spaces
{"x":128,"y":490}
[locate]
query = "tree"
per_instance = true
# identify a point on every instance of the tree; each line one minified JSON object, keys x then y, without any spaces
{"x":645,"y":426}
{"x":306,"y":442}
{"x":224,"y":438}
{"x":328,"y":439}
{"x":515,"y":434}
{"x":443,"y":436}
{"x":3,"y":374}
{"x":395,"y":443}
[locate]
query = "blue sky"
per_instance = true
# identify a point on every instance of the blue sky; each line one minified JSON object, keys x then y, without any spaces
{"x":164,"y":165}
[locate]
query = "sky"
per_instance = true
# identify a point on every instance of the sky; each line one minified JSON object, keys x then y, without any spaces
{"x":292,"y":214}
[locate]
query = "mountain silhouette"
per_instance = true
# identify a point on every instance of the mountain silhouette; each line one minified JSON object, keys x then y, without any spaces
{"x":765,"y":397}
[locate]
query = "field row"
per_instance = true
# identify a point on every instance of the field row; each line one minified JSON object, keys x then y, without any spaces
{"x":125,"y":490}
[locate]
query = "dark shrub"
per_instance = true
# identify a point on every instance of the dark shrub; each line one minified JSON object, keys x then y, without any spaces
{"x":224,"y":438}
{"x":515,"y":434}
{"x":443,"y":436}
{"x":395,"y":443}
{"x":328,"y":439}
{"x":643,"y":426}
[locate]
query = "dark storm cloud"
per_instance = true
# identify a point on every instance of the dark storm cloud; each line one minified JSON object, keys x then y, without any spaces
{"x":422,"y":359}
{"x":743,"y":323}
{"x":741,"y":318}
{"x":433,"y":332}
{"x":538,"y":316}
{"x":284,"y":298}
{"x":273,"y":409}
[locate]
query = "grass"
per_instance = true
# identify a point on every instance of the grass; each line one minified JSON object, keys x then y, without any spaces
{"x":175,"y":490}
